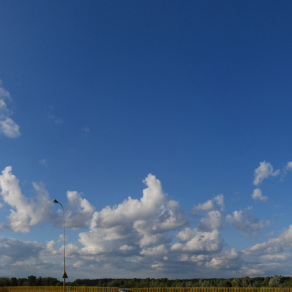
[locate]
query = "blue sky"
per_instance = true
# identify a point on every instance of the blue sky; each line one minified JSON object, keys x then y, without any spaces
{"x":163,"y":127}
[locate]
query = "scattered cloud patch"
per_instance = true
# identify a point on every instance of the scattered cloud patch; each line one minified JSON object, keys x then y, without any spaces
{"x":43,"y":162}
{"x":53,"y":117}
{"x":229,"y":260}
{"x":264,"y":171}
{"x":289,"y":165}
{"x":13,"y":250}
{"x":8,"y":126}
{"x":85,"y":130}
{"x":200,"y":242}
{"x":211,"y":221}
{"x":210,"y":213}
{"x":79,"y":211}
{"x":24,"y":212}
{"x":257,"y":195}
{"x":246,"y":222}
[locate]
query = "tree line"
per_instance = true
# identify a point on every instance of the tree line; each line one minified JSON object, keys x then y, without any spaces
{"x":275,"y":281}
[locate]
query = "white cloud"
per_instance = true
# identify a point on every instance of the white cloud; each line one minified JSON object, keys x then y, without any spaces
{"x":246,"y":222}
{"x":270,"y":257}
{"x":79,"y":211}
{"x":126,"y":247}
{"x":154,"y":251}
{"x":8,"y":127}
{"x":209,"y":205}
{"x":157,"y":266}
{"x":200,"y":242}
{"x":138,"y":235}
{"x":264,"y":171}
{"x":24,"y":212}
{"x":186,"y":234}
{"x":136,"y":223}
{"x":274,"y":245}
{"x":211,"y":213}
{"x":257,"y":195}
{"x":27,"y":212}
{"x":226,"y":260}
{"x":42,"y":204}
{"x":289,"y":165}
{"x":13,"y":250}
{"x":220,"y":200}
{"x":212,"y":221}
{"x":4,"y":94}
{"x":20,"y":215}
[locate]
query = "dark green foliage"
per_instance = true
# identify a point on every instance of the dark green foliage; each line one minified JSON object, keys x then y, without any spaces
{"x":275,"y":281}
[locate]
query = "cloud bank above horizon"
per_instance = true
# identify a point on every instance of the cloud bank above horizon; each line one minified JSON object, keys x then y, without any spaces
{"x":151,"y":236}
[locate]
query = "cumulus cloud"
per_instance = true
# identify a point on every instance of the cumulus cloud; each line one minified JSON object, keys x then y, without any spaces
{"x":148,"y":234}
{"x":287,"y":168}
{"x":24,"y":212}
{"x":8,"y":126}
{"x":27,"y":212}
{"x":14,"y":250}
{"x":226,"y":260}
{"x":210,"y":213}
{"x":246,"y":222}
{"x":79,"y":211}
{"x":257,"y":195}
{"x":213,"y":220}
{"x":20,"y":215}
{"x":154,"y":251}
{"x":264,"y":171}
{"x":141,"y":224}
{"x":276,"y":250}
{"x":289,"y":165}
{"x":274,"y":245}
{"x":199,"y":242}
{"x":209,"y":205}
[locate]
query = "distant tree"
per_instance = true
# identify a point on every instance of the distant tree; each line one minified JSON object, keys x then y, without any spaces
{"x":236,"y":282}
{"x":258,"y":282}
{"x":31,"y":280}
{"x":21,"y":281}
{"x":275,"y":281}
{"x":4,"y":281}
{"x":224,"y":283}
{"x":266,"y":282}
{"x":245,"y":282}
{"x":13,"y":281}
{"x":287,"y":282}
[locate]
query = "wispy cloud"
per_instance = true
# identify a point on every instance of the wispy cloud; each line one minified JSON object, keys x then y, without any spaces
{"x":85,"y":130}
{"x":43,"y":162}
{"x":53,"y":118}
{"x":8,"y":126}
{"x":246,"y":222}
{"x":264,"y":171}
{"x":257,"y":195}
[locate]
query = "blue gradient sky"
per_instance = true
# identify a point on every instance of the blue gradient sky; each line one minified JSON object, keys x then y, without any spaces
{"x":163,"y":127}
